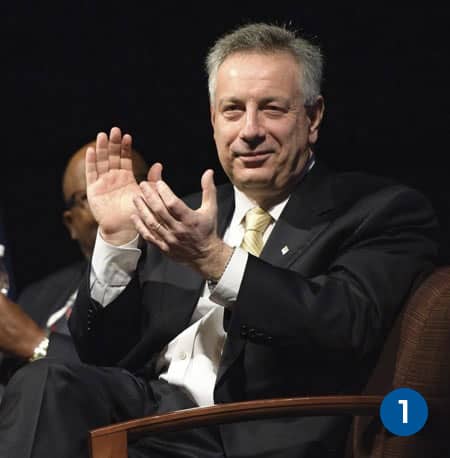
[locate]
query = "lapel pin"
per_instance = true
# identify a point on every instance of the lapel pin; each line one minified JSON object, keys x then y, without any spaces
{"x":284,"y":250}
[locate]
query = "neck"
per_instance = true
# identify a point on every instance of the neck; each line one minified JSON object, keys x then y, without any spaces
{"x":266,"y":200}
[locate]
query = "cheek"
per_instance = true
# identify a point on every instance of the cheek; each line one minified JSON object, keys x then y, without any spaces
{"x":224,"y":138}
{"x":88,"y":224}
{"x":225,"y":161}
{"x":226,"y":133}
{"x":296,"y":141}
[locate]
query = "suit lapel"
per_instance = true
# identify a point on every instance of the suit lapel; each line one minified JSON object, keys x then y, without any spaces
{"x":305,"y":216}
{"x":225,"y":202}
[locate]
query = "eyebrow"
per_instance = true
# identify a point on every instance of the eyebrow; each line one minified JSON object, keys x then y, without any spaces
{"x":225,"y":100}
{"x":267,"y":100}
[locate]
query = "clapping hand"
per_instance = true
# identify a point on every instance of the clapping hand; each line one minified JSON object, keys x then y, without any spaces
{"x":111,"y":185}
{"x":187,"y":236}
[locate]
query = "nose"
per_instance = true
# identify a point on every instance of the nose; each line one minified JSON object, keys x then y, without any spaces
{"x":253,"y":132}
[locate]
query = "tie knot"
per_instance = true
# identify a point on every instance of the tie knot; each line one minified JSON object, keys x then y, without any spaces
{"x":257,"y":220}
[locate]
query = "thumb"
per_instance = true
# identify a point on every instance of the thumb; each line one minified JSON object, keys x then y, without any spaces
{"x":155,"y":172}
{"x":208,"y":190}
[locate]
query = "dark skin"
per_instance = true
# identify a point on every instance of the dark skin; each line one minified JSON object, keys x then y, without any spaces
{"x":19,"y":334}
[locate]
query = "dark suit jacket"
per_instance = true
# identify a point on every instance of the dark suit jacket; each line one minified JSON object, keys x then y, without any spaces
{"x":40,"y":300}
{"x":308,"y":322}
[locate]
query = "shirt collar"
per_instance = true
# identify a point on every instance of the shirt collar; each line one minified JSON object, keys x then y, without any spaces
{"x":243,"y":204}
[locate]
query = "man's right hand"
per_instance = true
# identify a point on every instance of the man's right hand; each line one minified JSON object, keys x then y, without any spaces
{"x":111,"y":185}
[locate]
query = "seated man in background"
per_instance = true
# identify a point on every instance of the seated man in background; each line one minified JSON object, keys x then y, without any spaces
{"x":281,"y":283}
{"x":39,"y":326}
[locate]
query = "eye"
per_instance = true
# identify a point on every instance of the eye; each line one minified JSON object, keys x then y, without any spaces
{"x":232,"y":107}
{"x":274,"y":111}
{"x":232,"y":111}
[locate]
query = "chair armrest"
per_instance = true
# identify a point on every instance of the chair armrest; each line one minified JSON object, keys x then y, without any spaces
{"x":111,"y":441}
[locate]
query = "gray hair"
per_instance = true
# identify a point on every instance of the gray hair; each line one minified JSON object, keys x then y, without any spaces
{"x":267,"y":38}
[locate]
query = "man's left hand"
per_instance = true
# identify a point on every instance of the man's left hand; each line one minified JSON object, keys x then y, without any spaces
{"x":187,"y":236}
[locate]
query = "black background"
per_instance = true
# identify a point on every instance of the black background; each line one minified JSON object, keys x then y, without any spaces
{"x":73,"y":69}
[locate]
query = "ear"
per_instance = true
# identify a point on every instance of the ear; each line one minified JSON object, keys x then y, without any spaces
{"x":68,"y":222}
{"x":315,"y":114}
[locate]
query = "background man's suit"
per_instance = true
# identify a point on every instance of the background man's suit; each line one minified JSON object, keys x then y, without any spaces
{"x":309,"y":321}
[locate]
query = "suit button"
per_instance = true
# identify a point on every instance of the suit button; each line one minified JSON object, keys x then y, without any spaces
{"x":252,"y":333}
{"x":244,"y":330}
{"x":268,"y":339}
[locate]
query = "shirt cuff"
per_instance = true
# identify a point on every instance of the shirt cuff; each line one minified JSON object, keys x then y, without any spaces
{"x":112,"y":268}
{"x":226,"y":291}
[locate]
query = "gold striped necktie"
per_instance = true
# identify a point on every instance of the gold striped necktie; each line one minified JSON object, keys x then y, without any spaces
{"x":256,"y":222}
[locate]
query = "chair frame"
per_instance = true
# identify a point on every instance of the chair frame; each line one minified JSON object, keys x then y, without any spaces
{"x":112,"y":441}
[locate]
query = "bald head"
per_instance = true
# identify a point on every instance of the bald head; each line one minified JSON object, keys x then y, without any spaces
{"x":78,"y":217}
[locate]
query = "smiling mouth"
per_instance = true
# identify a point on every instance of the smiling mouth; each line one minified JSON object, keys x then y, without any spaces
{"x":254,"y":158}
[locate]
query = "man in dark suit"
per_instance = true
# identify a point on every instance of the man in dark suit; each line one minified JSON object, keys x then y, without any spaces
{"x":281,"y":284}
{"x":48,"y":302}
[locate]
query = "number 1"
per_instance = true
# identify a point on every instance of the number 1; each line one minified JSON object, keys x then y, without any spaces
{"x":404,"y":404}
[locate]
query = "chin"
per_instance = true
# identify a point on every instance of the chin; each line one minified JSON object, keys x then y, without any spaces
{"x":253,"y":180}
{"x":249,"y":185}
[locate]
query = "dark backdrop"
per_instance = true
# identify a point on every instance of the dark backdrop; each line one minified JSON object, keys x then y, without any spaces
{"x":72,"y":69}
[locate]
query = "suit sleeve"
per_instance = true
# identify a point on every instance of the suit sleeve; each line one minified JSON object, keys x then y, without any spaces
{"x":104,"y":335}
{"x":344,"y":310}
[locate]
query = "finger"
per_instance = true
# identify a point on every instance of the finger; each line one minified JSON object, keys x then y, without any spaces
{"x":101,"y":151}
{"x":147,"y":235}
{"x":145,"y":214}
{"x":209,"y":194}
{"x":155,"y":227}
{"x":155,"y":172}
{"x":126,"y":161}
{"x":156,"y":205}
{"x":91,"y":167}
{"x":114,"y":147}
{"x":174,"y":205}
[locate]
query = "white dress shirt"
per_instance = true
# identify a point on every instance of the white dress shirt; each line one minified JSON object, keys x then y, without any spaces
{"x":191,"y":359}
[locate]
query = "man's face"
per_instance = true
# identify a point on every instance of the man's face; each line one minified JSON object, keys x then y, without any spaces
{"x":261,"y":127}
{"x":78,"y":217}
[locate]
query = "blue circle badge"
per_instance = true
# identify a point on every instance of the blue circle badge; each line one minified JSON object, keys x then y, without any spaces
{"x":404,"y":412}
